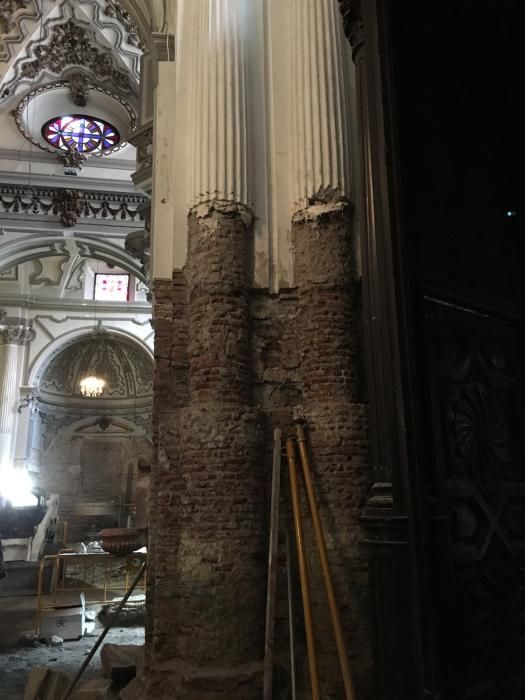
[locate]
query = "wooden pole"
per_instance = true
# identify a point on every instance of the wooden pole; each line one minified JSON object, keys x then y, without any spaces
{"x":272,"y":566}
{"x":325,"y":565}
{"x":303,"y":571}
{"x":290,"y":614}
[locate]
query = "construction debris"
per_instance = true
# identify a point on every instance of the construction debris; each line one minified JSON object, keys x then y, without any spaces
{"x":46,"y":684}
{"x":96,"y":689}
{"x":119,"y":661}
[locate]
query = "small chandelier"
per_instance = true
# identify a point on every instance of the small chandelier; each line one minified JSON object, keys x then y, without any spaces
{"x":92,"y":386}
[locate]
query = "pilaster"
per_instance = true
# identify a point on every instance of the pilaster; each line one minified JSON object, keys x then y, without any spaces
{"x":14,"y":334}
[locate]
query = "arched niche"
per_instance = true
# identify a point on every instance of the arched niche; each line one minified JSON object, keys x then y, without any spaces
{"x":87,"y":449}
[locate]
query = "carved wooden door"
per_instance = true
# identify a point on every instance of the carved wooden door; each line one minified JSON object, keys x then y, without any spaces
{"x":476,"y":503}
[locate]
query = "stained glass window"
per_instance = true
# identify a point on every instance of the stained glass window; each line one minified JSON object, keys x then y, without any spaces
{"x":86,"y":133}
{"x":111,"y":287}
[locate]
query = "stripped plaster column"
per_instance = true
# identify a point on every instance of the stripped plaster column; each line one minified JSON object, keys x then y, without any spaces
{"x":13,"y":335}
{"x":328,"y":325}
{"x":210,"y":560}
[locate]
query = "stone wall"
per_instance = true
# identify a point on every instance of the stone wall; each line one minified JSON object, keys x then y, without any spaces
{"x":232,"y":363}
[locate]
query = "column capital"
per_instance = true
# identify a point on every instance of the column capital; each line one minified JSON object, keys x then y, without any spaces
{"x":14,"y":331}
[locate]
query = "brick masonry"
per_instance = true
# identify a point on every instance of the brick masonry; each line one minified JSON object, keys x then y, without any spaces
{"x":231,"y":364}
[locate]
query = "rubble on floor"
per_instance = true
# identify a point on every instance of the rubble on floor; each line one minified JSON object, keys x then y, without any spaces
{"x":120,"y":661}
{"x":95,"y":689}
{"x":46,"y":684}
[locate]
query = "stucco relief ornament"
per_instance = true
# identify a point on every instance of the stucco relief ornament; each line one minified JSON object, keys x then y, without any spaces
{"x":113,"y":9}
{"x":71,"y":45}
{"x":7,"y":11}
{"x":18,"y":334}
{"x":67,"y":206}
{"x":73,"y":158}
{"x":79,"y":85}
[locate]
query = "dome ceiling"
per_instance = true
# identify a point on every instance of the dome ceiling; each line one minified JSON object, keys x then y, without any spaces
{"x":126,"y":368}
{"x":80,"y":58}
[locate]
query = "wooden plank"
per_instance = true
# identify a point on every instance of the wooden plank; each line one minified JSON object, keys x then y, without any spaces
{"x":272,"y":566}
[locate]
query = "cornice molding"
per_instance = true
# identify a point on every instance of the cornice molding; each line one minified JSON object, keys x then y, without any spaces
{"x":44,"y":157}
{"x":65,"y":181}
{"x":75,"y":306}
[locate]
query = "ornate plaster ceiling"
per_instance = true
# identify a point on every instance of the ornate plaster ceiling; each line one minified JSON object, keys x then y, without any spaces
{"x":29,"y":33}
{"x":125,"y":366}
{"x":59,"y":56}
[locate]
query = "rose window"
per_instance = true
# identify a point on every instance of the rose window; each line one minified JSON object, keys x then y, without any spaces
{"x":86,"y":134}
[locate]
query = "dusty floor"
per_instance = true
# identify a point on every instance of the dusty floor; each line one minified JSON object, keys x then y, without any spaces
{"x":17,"y":617}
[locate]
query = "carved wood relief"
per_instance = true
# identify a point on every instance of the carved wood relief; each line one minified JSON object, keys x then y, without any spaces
{"x":479,"y":485}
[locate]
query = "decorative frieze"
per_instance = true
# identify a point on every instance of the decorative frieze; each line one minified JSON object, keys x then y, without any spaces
{"x":70,"y":205}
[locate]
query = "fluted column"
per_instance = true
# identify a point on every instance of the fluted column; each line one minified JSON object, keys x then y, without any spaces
{"x":328,"y":324}
{"x":209,"y":603}
{"x":220,"y":133}
{"x":13,"y":334}
{"x":320,"y":124}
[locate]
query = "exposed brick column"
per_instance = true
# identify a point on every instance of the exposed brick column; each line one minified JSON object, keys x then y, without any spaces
{"x":327,"y":337}
{"x":212,"y":497}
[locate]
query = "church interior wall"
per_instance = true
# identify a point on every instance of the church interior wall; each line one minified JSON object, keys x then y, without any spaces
{"x":254,"y":282}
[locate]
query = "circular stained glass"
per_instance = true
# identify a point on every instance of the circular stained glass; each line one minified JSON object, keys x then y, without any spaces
{"x":86,"y":133}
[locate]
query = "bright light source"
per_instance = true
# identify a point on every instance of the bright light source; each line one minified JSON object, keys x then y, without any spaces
{"x":510,"y":213}
{"x":92,"y":386}
{"x":15,"y":486}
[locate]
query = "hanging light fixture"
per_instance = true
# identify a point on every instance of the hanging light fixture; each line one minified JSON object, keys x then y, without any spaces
{"x":92,"y":386}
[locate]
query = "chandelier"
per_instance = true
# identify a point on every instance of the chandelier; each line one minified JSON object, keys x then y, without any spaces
{"x":92,"y":386}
